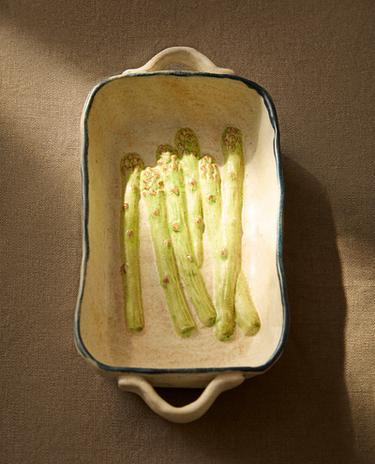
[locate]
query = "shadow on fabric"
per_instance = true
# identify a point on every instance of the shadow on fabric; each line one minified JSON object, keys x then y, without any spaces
{"x":298,"y":412}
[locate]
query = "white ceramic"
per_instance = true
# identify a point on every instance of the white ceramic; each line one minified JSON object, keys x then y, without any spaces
{"x":136,"y":111}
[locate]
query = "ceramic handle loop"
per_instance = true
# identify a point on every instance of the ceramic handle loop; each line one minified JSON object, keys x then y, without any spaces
{"x":174,"y":58}
{"x":188,"y":413}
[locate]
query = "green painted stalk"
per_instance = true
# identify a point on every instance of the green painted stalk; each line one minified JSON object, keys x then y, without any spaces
{"x":154,"y":198}
{"x":176,"y":210}
{"x":247,"y":316}
{"x":131,"y":167}
{"x":189,"y":153}
{"x":209,"y":180}
{"x":231,"y":232}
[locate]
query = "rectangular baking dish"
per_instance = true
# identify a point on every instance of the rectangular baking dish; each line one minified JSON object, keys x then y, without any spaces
{"x":136,"y":111}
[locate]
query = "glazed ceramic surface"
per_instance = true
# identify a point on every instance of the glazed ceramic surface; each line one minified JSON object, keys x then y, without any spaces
{"x":136,"y":112}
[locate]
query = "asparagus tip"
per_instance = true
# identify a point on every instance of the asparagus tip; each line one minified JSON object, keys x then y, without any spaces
{"x":165,"y":150}
{"x":130,"y":161}
{"x":187,"y":142}
{"x":167,"y":160}
{"x":207,"y":158}
{"x":231,"y":139}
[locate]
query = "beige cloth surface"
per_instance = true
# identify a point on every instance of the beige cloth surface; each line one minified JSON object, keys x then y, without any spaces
{"x":317,"y":61}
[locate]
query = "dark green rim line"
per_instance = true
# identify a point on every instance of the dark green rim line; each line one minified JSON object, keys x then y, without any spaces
{"x":85,"y":238}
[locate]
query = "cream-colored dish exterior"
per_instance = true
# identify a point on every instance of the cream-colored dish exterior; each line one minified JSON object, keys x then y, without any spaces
{"x":135,"y":113}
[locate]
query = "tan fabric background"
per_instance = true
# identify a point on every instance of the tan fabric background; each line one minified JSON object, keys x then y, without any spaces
{"x":317,"y":60}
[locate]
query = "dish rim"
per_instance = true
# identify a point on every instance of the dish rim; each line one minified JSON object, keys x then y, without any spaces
{"x":79,"y":343}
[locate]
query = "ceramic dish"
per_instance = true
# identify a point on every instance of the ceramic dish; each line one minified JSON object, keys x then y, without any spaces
{"x":136,"y":111}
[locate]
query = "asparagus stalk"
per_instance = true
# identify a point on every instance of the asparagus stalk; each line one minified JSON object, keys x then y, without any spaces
{"x":131,"y":167}
{"x":209,"y":182}
{"x":209,"y":179}
{"x":189,"y":153}
{"x":231,"y":232}
{"x":247,"y":316}
{"x":153,"y":194}
{"x":179,"y":232}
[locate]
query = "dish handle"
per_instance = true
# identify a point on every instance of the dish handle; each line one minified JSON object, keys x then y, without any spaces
{"x":174,"y":58}
{"x":188,"y":413}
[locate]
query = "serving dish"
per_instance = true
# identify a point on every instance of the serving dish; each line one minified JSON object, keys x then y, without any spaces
{"x":135,"y":111}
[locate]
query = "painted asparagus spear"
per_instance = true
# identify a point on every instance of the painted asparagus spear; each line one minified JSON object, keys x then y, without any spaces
{"x":176,"y":210}
{"x":209,"y":179}
{"x":209,"y":182}
{"x":247,"y":316}
{"x":231,"y":231}
{"x":189,"y":153}
{"x":131,"y":167}
{"x":152,"y":189}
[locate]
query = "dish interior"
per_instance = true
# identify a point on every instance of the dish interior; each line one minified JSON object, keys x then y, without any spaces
{"x":135,"y":114}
